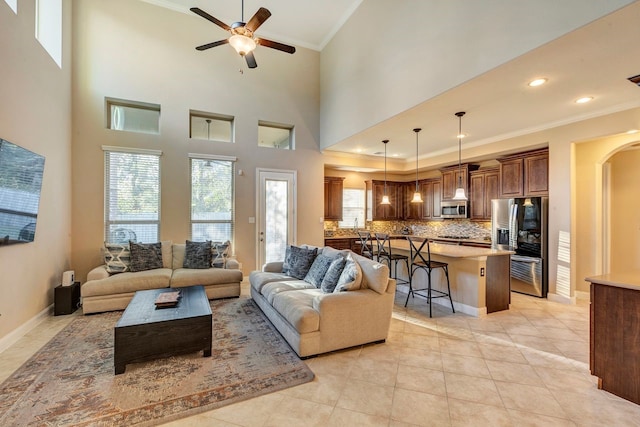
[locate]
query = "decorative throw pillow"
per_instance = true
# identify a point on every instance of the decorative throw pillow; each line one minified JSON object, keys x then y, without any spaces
{"x":318,"y":270}
{"x":351,"y":276}
{"x":330,"y":279}
{"x":197,"y":254}
{"x":117,"y":257}
{"x":145,"y":256}
{"x":219,"y":253}
{"x":298,"y":261}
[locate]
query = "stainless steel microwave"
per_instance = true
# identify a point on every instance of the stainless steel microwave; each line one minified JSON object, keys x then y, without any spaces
{"x":455,"y":208}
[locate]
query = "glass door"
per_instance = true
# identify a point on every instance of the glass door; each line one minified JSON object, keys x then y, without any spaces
{"x":276,"y":214}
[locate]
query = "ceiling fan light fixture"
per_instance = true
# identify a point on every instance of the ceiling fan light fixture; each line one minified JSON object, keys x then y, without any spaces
{"x":242,"y":44}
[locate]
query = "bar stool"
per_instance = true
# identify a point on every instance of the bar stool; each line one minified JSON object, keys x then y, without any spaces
{"x":366,"y":245}
{"x":385,"y":255}
{"x":419,"y":262}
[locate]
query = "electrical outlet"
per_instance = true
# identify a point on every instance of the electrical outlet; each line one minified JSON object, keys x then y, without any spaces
{"x":481,"y":271}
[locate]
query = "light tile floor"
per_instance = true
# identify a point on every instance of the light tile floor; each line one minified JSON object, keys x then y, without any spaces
{"x":527,"y":366}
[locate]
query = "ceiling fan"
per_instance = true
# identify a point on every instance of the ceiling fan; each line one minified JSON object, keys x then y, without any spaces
{"x":242,"y":37}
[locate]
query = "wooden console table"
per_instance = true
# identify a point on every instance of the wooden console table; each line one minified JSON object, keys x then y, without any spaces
{"x":615,"y":333}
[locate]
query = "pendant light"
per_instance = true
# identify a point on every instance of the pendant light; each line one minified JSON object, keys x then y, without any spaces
{"x":460,"y":190}
{"x":385,"y":197}
{"x":417,"y":197}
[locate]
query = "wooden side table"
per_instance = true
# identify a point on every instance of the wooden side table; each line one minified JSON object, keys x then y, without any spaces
{"x":66,"y":299}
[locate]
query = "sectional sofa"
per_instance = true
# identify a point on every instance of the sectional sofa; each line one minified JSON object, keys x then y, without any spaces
{"x":314,"y":321}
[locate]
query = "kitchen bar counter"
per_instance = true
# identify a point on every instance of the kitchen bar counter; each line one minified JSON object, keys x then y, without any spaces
{"x":479,"y":277}
{"x":615,"y":333}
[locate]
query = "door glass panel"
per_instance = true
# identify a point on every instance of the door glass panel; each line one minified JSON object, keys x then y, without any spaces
{"x":276,"y":220}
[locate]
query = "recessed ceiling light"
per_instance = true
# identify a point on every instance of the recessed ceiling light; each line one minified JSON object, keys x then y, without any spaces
{"x":537,"y":82}
{"x":461,"y":135}
{"x":395,"y":155}
{"x":584,"y":100}
{"x":632,"y":131}
{"x":358,"y":150}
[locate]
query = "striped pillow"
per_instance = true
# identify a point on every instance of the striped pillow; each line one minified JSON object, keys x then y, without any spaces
{"x":117,"y":257}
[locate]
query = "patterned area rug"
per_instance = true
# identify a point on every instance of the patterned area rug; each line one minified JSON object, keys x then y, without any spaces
{"x":70,"y":381}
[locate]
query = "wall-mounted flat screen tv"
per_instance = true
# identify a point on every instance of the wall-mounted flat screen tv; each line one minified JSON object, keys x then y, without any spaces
{"x":20,"y":184}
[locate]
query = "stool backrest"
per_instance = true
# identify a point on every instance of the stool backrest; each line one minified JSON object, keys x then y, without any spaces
{"x":416,"y":245}
{"x":384,"y":245}
{"x":365,"y":243}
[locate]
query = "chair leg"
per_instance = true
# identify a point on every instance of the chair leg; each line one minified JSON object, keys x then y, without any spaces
{"x":410,"y":293}
{"x":446,"y":273}
{"x":429,"y":290}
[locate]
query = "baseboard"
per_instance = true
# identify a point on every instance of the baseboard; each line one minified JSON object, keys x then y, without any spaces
{"x":561,"y":298}
{"x":12,"y":337}
{"x":582,"y":295}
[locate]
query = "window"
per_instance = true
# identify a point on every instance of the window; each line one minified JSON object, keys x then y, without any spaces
{"x":13,"y":4}
{"x":274,"y":135}
{"x":212,"y":201}
{"x":132,"y":195}
{"x":209,"y":126}
{"x":133,"y":116}
{"x":352,"y":208}
{"x":49,"y":27}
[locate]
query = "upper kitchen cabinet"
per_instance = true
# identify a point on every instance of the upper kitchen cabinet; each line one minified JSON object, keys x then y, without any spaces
{"x":525,"y":174}
{"x":484,"y":185}
{"x":451,"y":176}
{"x":377,"y":212}
{"x":333,"y":198}
{"x":412,"y":210}
{"x":431,"y":190}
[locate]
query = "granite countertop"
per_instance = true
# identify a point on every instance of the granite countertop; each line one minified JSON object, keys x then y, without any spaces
{"x":628,"y":279}
{"x":402,"y":236}
{"x":453,"y":251}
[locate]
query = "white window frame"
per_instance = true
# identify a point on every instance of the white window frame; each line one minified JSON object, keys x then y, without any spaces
{"x":232,"y":221}
{"x":109,"y":102}
{"x":214,"y":117}
{"x":108,"y":222}
{"x":271,"y":125}
{"x":348,"y":221}
{"x":49,"y":27}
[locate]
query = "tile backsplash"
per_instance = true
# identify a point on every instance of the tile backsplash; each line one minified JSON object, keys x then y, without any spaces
{"x":453,"y":227}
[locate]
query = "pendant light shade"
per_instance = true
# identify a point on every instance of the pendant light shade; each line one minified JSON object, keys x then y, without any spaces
{"x":460,"y":195}
{"x":385,"y":197}
{"x":417,"y":197}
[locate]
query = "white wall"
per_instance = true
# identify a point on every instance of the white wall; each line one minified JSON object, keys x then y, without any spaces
{"x":35,"y":113}
{"x":137,"y":51}
{"x":391,"y":56}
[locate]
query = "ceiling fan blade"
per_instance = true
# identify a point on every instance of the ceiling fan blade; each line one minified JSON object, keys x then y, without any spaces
{"x":275,"y":45}
{"x":258,"y":19}
{"x":251,"y":60}
{"x":208,"y":17}
{"x":214,"y":44}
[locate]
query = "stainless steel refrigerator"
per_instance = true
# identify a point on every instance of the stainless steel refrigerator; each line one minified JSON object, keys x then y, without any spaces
{"x":520,"y":224}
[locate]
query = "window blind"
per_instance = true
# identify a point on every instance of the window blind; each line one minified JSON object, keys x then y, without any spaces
{"x":352,"y":208}
{"x":132,"y":197}
{"x":212,"y":199}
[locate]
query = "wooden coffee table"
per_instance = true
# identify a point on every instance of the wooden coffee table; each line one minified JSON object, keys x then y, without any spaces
{"x":145,"y":332}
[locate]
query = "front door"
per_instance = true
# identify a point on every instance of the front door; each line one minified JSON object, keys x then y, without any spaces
{"x":276,"y":200}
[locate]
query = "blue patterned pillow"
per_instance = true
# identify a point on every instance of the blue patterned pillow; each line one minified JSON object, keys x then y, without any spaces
{"x":197,"y":254}
{"x":145,"y":256}
{"x":351,"y":277}
{"x":298,"y":261}
{"x":318,"y":270}
{"x":330,"y":279}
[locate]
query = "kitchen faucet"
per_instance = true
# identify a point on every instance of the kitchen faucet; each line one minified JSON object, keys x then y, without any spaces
{"x":355,"y":224}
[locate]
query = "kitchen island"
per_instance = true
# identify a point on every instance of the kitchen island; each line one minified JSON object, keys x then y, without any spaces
{"x":479,"y":277}
{"x":615,"y":333}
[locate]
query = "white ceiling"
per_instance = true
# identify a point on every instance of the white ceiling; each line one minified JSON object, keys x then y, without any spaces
{"x":594,"y":60}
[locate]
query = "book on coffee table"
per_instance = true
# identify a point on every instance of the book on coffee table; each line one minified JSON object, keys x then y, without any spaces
{"x":167,"y":299}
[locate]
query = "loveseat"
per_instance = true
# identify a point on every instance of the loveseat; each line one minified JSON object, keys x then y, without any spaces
{"x":105,"y":291}
{"x":316,"y":320}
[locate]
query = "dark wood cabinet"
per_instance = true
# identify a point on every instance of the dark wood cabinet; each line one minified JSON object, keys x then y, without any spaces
{"x":333,"y":198}
{"x":377,"y":212}
{"x":431,"y":194}
{"x":413,"y":210}
{"x":483,"y":188}
{"x":525,"y":174}
{"x":352,"y":243}
{"x":66,"y":299}
{"x":615,"y":339}
{"x":452,"y":176}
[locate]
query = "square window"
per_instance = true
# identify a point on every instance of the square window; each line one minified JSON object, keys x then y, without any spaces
{"x":133,"y":116}
{"x":274,"y":135}
{"x":212,"y":127}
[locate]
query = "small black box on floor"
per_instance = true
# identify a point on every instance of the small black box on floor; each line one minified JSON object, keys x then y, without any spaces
{"x":66,"y":299}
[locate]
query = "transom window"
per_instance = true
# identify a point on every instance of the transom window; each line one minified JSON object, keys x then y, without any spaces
{"x":49,"y":27}
{"x":133,"y":116}
{"x":132,"y":195}
{"x":275,"y":135}
{"x":212,"y":127}
{"x":212,"y":198}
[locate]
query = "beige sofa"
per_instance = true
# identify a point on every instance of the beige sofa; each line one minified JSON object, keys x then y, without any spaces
{"x":106,"y":292}
{"x":314,"y":322}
